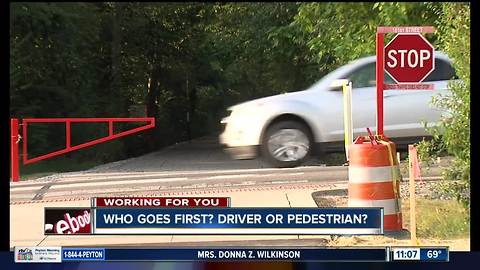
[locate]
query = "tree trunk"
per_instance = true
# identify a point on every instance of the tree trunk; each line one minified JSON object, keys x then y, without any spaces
{"x":151,"y":102}
{"x":152,"y":95}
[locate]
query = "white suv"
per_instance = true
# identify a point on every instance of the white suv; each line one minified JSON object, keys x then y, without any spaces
{"x":285,"y":129}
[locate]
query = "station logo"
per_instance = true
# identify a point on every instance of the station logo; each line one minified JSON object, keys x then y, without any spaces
{"x":38,"y":254}
{"x":24,"y":254}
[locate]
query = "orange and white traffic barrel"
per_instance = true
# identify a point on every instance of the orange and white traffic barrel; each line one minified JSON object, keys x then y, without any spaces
{"x":374,"y":178}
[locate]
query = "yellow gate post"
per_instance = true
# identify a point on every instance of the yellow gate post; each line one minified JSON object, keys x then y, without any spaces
{"x":347,"y":114}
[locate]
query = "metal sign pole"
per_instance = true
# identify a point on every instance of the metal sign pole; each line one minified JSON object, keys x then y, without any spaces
{"x":379,"y":77}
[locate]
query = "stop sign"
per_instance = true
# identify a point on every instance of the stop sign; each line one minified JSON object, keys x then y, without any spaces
{"x":409,"y":58}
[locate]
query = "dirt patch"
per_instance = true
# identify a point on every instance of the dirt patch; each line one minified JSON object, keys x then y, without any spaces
{"x":423,"y":189}
{"x":462,"y":244}
{"x":331,"y":198}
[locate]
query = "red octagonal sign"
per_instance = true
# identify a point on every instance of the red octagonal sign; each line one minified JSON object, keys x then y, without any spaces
{"x":409,"y":58}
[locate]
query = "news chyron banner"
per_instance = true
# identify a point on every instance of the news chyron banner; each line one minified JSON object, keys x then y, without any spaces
{"x":41,"y":254}
{"x":207,"y":215}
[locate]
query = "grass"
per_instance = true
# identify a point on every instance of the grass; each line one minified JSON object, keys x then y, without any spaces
{"x":441,"y":219}
{"x":333,"y":159}
{"x":55,"y":165}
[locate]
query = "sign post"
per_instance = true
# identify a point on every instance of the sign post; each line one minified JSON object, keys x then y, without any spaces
{"x":408,"y":58}
{"x":379,"y":76}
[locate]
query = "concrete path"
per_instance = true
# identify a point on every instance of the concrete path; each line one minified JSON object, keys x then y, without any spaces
{"x":26,"y":219}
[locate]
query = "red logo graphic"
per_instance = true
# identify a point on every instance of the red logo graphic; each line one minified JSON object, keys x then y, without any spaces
{"x":73,"y":222}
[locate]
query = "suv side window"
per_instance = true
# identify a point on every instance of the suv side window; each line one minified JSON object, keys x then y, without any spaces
{"x":443,"y":72}
{"x":365,"y":76}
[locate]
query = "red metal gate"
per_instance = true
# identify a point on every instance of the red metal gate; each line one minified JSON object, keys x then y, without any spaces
{"x":15,"y":137}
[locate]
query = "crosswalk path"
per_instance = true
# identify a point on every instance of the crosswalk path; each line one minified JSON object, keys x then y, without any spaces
{"x":118,"y":183}
{"x":83,"y":185}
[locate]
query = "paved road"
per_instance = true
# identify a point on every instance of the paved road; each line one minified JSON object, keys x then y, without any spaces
{"x":204,"y":154}
{"x":195,"y":167}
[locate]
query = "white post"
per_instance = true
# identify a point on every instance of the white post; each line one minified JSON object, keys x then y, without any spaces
{"x":347,"y":114}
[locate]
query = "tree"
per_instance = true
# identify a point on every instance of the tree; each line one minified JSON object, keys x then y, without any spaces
{"x":351,"y":34}
{"x":186,"y":62}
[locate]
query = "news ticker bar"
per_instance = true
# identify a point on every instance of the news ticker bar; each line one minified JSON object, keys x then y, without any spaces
{"x":291,"y":254}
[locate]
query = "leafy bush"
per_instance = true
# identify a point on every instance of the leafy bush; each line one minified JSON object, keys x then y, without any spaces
{"x":453,"y":132}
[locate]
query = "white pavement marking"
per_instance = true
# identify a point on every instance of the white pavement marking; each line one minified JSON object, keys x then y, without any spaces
{"x":34,"y":189}
{"x":293,"y":174}
{"x":128,"y":178}
{"x":107,"y":178}
{"x":131,"y":190}
{"x":164,"y":173}
{"x":29,"y":182}
{"x":132,"y":182}
{"x":94,"y":192}
{"x":110,"y":183}
{"x":28,"y":196}
{"x":128,"y":184}
{"x":128,"y":175}
{"x":289,"y":182}
{"x":234,"y":176}
{"x":247,"y":183}
{"x":149,"y":191}
{"x":110,"y":177}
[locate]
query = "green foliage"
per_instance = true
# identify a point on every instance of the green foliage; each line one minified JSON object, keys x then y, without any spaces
{"x":453,"y":133}
{"x":351,"y":34}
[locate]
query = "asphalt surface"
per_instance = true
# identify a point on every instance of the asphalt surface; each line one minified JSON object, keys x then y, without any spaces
{"x":200,"y":165}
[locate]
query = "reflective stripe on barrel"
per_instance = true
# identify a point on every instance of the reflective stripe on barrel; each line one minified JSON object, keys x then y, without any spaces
{"x":361,"y":174}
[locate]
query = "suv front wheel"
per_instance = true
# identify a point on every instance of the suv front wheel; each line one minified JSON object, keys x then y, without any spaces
{"x":287,"y":144}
